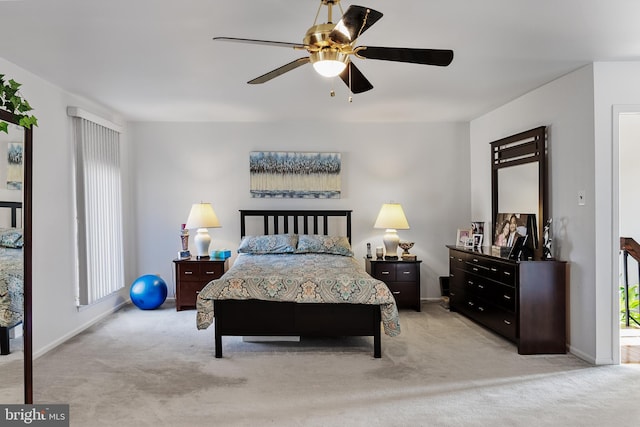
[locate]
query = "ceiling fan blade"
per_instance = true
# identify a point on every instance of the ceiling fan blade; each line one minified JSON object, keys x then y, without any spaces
{"x":359,"y":82}
{"x":279,"y":71}
{"x":355,"y":21}
{"x":263,"y":42}
{"x":438,"y":57}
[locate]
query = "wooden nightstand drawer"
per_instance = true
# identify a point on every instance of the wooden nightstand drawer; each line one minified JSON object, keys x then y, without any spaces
{"x":384,"y":272}
{"x":192,"y":275}
{"x":402,"y":278}
{"x":406,"y":272}
{"x":404,"y":293}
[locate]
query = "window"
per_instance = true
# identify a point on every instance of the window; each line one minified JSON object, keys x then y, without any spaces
{"x":100,"y":253}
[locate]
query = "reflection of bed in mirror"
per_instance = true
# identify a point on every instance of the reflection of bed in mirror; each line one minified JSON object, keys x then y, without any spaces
{"x":11,"y":275}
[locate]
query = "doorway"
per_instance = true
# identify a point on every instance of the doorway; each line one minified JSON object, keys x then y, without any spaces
{"x":629,"y":227}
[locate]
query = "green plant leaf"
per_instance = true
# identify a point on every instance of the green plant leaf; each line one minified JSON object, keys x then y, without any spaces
{"x":4,"y":127}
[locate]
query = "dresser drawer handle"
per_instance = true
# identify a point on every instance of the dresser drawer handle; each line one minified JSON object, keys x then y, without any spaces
{"x":475,"y":268}
{"x":481,"y":287}
{"x":188,"y":272}
{"x":385,"y":272}
{"x":470,"y":282}
{"x":475,"y":260}
{"x":210,"y":272}
{"x":406,"y":272}
{"x":507,"y":322}
{"x":506,"y":296}
{"x":451,"y":257}
{"x":506,"y":273}
{"x":480,"y":308}
{"x":453,"y":294}
{"x":459,"y":259}
{"x":471,"y":303}
{"x":494,"y":269}
{"x":451,"y":275}
{"x":396,"y":293}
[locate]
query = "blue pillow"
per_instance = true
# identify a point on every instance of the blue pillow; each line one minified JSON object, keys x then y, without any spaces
{"x":269,"y":244}
{"x":316,"y":243}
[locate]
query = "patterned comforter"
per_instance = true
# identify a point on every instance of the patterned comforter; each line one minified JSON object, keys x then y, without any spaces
{"x":301,"y":278}
{"x":11,"y":287}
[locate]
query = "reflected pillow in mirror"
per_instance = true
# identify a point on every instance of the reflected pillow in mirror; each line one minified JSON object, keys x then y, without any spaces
{"x":11,"y":238}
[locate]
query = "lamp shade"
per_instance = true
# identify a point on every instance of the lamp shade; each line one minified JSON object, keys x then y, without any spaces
{"x":202,"y":216}
{"x":392,"y":216}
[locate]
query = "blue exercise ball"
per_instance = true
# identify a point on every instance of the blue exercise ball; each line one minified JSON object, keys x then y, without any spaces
{"x":148,"y":292}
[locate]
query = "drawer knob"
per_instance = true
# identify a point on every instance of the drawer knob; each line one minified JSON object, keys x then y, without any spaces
{"x":506,"y":322}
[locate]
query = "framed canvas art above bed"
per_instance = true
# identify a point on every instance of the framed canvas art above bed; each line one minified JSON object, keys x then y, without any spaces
{"x":298,"y":175}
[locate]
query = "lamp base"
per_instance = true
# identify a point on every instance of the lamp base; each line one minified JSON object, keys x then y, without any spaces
{"x":391,"y":240}
{"x":202,"y":241}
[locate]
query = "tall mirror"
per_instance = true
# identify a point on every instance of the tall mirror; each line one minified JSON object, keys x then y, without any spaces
{"x":519,"y":180}
{"x":16,"y":374}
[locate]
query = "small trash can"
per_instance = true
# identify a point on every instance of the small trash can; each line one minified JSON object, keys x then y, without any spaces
{"x":444,"y":286}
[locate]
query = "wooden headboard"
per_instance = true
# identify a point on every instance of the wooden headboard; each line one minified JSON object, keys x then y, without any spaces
{"x":14,"y":206}
{"x":297,"y":221}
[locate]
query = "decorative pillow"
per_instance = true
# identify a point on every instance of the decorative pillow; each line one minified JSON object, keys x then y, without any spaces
{"x":11,"y":237}
{"x":270,"y":244}
{"x":316,"y":243}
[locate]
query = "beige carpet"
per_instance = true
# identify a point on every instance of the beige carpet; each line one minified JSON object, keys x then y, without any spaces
{"x":153,"y":368}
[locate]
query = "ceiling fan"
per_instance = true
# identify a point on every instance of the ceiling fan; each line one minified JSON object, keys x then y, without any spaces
{"x":330,"y":47}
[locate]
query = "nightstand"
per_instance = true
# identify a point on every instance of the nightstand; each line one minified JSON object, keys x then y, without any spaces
{"x":192,"y":275}
{"x":402,"y":278}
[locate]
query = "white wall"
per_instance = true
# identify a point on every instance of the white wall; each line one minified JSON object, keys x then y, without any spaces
{"x":566,"y":107}
{"x":425,"y":167}
{"x":616,"y":86}
{"x":55,"y":316}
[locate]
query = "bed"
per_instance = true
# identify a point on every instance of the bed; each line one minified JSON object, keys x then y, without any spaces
{"x":11,"y":276}
{"x":297,"y":278}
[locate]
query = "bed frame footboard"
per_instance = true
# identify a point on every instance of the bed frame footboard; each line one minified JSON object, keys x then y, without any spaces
{"x":270,"y":318}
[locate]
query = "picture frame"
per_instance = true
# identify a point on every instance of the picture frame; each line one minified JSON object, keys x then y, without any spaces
{"x":477,"y":240}
{"x":463,"y":236}
{"x":524,"y":224}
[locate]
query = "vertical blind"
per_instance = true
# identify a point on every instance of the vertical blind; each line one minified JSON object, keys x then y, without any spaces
{"x":98,"y":209}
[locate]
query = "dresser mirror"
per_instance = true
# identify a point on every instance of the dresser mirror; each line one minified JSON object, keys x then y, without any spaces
{"x":519,"y":179}
{"x":16,"y":373}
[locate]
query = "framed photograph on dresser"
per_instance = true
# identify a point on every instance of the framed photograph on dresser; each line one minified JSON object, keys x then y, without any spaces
{"x":463,"y":237}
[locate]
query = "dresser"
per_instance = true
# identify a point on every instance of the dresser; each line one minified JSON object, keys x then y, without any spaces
{"x":402,"y":278}
{"x":523,"y":301}
{"x":192,"y":275}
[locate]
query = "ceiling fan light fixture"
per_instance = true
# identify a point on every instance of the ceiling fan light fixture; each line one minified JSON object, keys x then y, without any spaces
{"x":329,"y":62}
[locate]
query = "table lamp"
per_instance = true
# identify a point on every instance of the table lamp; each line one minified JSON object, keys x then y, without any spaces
{"x":202,"y":217}
{"x":391,"y":217}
